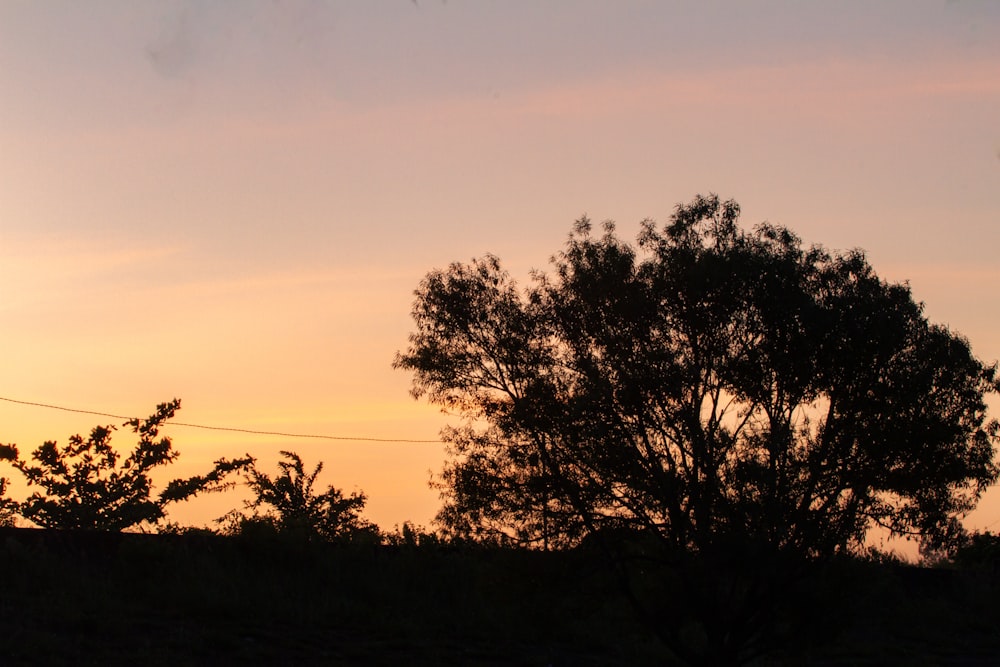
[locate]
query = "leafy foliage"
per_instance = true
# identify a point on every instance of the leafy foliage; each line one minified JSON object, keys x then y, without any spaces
{"x":737,"y":403}
{"x":410,"y":535}
{"x":723,"y":383}
{"x":980,"y":550}
{"x":8,"y":507}
{"x":292,"y":508}
{"x":87,"y":485}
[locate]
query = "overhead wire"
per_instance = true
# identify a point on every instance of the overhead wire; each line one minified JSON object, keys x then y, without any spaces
{"x":231,"y":429}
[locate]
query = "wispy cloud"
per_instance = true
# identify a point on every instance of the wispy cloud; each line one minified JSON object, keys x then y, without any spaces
{"x":294,"y":279}
{"x":47,"y":268}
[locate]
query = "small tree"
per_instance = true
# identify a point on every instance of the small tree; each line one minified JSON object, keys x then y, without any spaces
{"x":86,"y":485}
{"x":291,"y":507}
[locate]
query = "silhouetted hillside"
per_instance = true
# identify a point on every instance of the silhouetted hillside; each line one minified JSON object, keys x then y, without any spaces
{"x":105,"y":598}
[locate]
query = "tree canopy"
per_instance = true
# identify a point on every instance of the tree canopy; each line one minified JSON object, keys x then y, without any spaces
{"x":293,"y":508}
{"x":87,"y":484}
{"x":708,"y":383}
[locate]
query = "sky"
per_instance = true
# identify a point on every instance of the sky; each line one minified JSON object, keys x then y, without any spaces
{"x":231,"y":201}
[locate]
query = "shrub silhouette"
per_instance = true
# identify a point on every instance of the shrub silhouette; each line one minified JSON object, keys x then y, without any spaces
{"x":87,"y":485}
{"x":8,"y":507}
{"x":292,"y":508}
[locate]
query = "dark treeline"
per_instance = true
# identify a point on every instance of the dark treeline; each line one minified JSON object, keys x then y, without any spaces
{"x":668,"y":453}
{"x":99,"y":598}
{"x":80,"y":597}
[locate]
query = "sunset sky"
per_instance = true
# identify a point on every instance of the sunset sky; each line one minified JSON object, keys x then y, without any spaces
{"x":232,"y":201}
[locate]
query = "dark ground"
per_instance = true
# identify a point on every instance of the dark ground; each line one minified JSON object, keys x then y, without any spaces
{"x":105,"y":599}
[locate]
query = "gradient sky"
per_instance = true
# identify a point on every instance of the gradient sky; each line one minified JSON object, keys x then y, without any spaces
{"x":231,"y":201}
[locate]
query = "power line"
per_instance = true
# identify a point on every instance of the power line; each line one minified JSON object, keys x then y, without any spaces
{"x":221,"y":428}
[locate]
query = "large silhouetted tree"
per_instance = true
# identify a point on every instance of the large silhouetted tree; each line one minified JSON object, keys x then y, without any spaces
{"x":87,"y":485}
{"x":708,"y":387}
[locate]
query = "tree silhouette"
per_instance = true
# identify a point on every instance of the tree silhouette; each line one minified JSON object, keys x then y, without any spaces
{"x":292,"y":508}
{"x":8,"y":507}
{"x":87,"y":486}
{"x":725,"y":393}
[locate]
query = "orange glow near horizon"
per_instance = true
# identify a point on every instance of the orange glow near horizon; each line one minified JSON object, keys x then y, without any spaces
{"x":233,"y":205}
